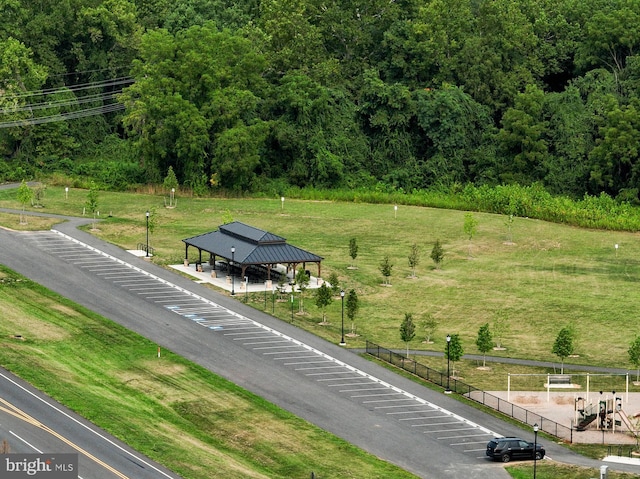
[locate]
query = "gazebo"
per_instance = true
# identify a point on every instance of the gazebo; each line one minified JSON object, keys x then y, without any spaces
{"x":253,"y":250}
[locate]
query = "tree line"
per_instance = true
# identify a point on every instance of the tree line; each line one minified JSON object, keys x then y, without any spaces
{"x":258,"y":96}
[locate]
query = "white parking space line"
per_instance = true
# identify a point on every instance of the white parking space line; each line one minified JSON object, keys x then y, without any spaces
{"x":283,"y":352}
{"x":347,"y":384}
{"x":411,"y":412}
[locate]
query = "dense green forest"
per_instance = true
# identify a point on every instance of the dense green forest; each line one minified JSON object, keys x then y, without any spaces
{"x":259,"y":95}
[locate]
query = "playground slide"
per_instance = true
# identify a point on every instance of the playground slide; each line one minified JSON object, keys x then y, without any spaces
{"x":627,"y":423}
{"x":582,"y":425}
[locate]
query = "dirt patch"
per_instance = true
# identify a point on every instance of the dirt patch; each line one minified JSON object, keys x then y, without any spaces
{"x":563,"y":400}
{"x":15,"y":322}
{"x":526,"y":400}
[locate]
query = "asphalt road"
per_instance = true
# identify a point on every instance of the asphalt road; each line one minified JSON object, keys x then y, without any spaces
{"x":32,"y":423}
{"x":423,"y":431}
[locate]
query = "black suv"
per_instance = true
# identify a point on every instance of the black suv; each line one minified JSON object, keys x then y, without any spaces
{"x":507,"y":448}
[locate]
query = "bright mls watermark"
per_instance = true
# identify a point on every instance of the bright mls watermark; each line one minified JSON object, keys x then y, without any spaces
{"x":39,"y":466}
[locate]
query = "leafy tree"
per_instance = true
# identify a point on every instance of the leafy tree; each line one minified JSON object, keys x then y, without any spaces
{"x":386,"y":268}
{"x":429,"y":325}
{"x":509,"y":224}
{"x":634,"y":355}
{"x":407,"y":330}
{"x":227,"y":217}
{"x":153,"y":219}
{"x":171,"y":184}
{"x":334,"y":282}
{"x":615,"y":157}
{"x":38,"y":194}
{"x":454,"y":351}
{"x":92,"y":202}
{"x":453,"y":127}
{"x":484,"y":342}
{"x":353,"y":251}
{"x":323,"y":299}
{"x":414,"y":259}
{"x":522,"y":138}
{"x":25,"y":195}
{"x":437,"y":254}
{"x":202,"y":123}
{"x":353,"y":305}
{"x":470,"y":228}
{"x":563,"y":345}
{"x":302,"y":282}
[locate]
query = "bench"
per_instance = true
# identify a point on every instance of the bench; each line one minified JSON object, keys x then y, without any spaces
{"x":559,"y":381}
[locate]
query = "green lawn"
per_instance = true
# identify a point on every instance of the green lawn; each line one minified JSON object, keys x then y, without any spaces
{"x":546,"y":470}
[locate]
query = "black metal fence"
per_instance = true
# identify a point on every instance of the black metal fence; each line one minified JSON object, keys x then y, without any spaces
{"x":456,"y":386}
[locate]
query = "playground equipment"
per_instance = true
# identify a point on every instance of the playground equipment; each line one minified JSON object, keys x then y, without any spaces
{"x":607,"y":413}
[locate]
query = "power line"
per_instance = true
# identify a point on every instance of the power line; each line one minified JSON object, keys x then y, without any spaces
{"x":62,"y":103}
{"x":72,"y":88}
{"x":101,"y":110}
{"x":66,"y":102}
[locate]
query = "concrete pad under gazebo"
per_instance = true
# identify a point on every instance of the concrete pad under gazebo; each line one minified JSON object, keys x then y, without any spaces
{"x":257,"y":255}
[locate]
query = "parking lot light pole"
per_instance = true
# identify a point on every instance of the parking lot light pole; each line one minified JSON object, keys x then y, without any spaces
{"x":535,"y":448}
{"x":147,"y":233}
{"x":448,"y":390}
{"x":342,"y":343}
{"x":233,"y":289}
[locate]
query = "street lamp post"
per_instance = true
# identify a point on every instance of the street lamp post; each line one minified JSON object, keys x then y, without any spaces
{"x":342,"y":343}
{"x":233,"y":289}
{"x":292,"y":304}
{"x":147,"y":233}
{"x":246,"y":289}
{"x":448,"y":390}
{"x":535,"y":448}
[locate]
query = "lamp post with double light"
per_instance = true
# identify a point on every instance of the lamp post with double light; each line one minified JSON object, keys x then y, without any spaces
{"x":448,"y":390}
{"x":233,"y":253}
{"x":147,"y":233}
{"x":342,"y":343}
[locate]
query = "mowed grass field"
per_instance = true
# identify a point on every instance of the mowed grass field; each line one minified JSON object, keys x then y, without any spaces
{"x":546,"y":277}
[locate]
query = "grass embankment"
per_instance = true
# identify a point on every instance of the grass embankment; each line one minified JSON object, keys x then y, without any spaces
{"x":555,"y":471}
{"x":168,"y":408}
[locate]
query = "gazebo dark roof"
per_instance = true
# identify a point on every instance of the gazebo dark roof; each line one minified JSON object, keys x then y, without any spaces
{"x":253,"y":246}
